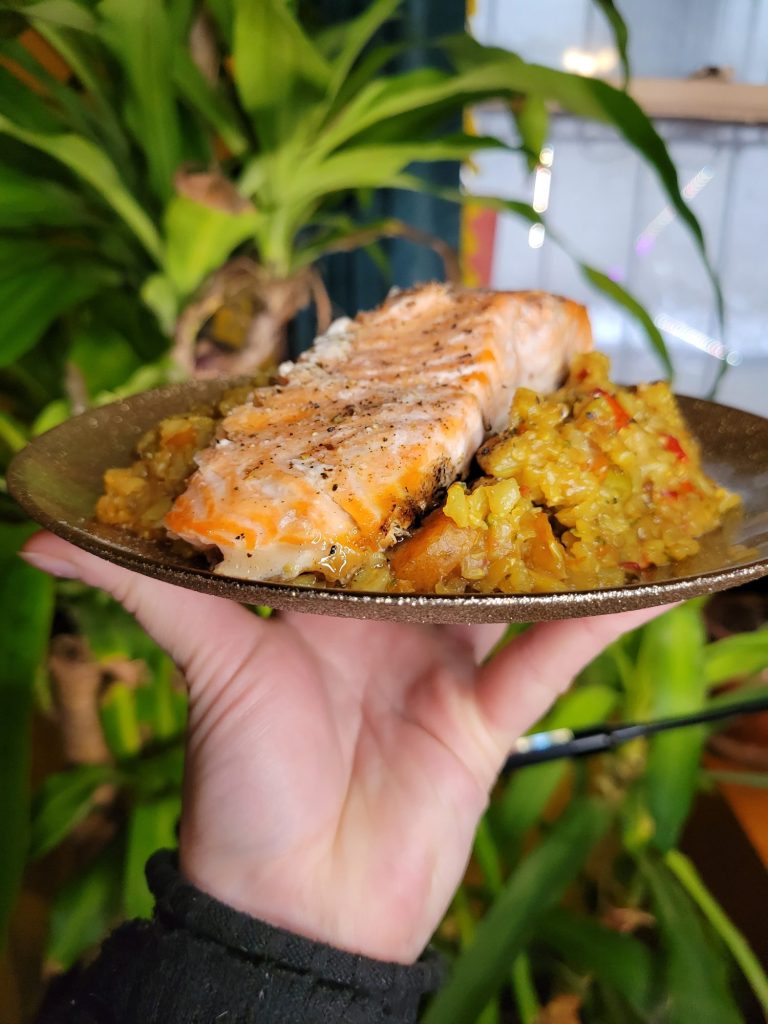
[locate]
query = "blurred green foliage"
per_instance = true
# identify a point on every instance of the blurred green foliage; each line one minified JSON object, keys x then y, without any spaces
{"x":576,"y":871}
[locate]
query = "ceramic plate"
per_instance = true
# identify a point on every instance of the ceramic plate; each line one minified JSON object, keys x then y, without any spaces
{"x":57,"y":480}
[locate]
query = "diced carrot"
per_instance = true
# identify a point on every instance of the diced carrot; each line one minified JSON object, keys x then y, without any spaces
{"x":434,"y":552}
{"x":544,"y":551}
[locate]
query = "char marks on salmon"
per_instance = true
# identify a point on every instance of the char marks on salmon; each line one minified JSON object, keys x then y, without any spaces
{"x":331,"y":466}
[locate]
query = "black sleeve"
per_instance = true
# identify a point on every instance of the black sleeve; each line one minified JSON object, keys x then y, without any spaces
{"x":199,"y":962}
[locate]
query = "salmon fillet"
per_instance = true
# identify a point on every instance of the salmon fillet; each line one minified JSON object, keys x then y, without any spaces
{"x":332,"y":465}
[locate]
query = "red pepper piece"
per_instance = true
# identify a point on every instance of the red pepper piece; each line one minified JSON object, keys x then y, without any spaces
{"x":671,"y":444}
{"x":686,"y":487}
{"x":620,"y":415}
{"x":631,"y":566}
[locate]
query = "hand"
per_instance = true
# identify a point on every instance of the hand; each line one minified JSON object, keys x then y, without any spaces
{"x":337,"y":769}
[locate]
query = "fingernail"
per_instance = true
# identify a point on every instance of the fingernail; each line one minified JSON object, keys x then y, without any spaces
{"x":50,"y":564}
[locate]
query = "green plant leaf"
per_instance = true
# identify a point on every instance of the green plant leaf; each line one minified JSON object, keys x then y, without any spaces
{"x":356,"y":34}
{"x":139,"y":36}
{"x":757,"y":780}
{"x":685,"y":872}
{"x":95,"y":168}
{"x":156,"y":774}
{"x":532,"y":890}
{"x":120,"y":720}
{"x":524,"y":990}
{"x":375,"y":166}
{"x":738,"y":695}
{"x":151,"y":827}
{"x":31,"y":301}
{"x":28,"y":110}
{"x":268,"y":88}
{"x":365,"y":70}
{"x":620,"y":34}
{"x":223,"y":14}
{"x":621,"y":962}
{"x":618,"y":294}
{"x":50,"y":416}
{"x":62,"y":14}
{"x":26,"y":607}
{"x":33,"y":202}
{"x":696,"y":973}
{"x":12,"y":433}
{"x":670,"y":672}
{"x":532,"y":120}
{"x":101,"y":353}
{"x":83,"y":909}
{"x":62,"y":802}
{"x":523,"y":798}
{"x":165,"y":709}
{"x":59,"y":97}
{"x":493,"y":69}
{"x":384,"y":98}
{"x":736,"y":657}
{"x":208,"y":101}
{"x":200,"y":238}
{"x":86,"y":60}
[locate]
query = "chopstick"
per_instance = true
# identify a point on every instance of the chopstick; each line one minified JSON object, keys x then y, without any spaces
{"x":539,"y":747}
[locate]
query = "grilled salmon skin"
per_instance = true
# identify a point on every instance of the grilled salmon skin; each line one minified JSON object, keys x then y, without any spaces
{"x":329,"y":467}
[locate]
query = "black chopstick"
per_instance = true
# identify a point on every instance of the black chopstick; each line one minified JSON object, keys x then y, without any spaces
{"x":558,"y":743}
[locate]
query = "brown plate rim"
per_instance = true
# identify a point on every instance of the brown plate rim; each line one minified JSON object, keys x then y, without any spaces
{"x":432,"y":608}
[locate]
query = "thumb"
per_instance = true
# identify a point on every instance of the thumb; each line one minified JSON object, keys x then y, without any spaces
{"x":200,"y":632}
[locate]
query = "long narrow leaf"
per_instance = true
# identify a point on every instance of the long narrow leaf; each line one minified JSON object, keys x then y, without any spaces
{"x":376,"y":165}
{"x":685,"y":872}
{"x":80,"y":54}
{"x":59,"y":97}
{"x":32,"y":300}
{"x":204,"y":98}
{"x":95,"y":168}
{"x":525,"y":796}
{"x":490,"y":68}
{"x":620,"y":34}
{"x":61,"y":14}
{"x":30,"y":202}
{"x":618,"y":294}
{"x":619,"y":961}
{"x":25,"y":107}
{"x":273,"y":58}
{"x":83,"y":909}
{"x":26,"y":606}
{"x":62,"y":802}
{"x":533,"y":889}
{"x":670,"y":671}
{"x":696,"y":982}
{"x":152,"y":826}
{"x":365,"y":70}
{"x":736,"y":657}
{"x":532,"y":120}
{"x":754,"y":780}
{"x":357,"y":33}
{"x":139,"y":36}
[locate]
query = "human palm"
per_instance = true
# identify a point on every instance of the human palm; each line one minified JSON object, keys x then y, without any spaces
{"x":337,"y":769}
